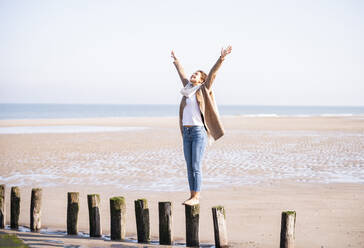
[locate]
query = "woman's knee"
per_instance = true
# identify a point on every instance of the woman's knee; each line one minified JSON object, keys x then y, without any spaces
{"x":196,"y":169}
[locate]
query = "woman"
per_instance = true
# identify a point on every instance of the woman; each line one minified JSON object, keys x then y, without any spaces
{"x":198,"y":120}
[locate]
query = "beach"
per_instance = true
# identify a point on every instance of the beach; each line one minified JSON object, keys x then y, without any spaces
{"x":259,"y":168}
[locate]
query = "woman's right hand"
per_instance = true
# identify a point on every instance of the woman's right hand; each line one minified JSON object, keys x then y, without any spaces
{"x":173,"y":56}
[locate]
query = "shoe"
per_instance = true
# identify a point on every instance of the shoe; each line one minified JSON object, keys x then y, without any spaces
{"x":192,"y":202}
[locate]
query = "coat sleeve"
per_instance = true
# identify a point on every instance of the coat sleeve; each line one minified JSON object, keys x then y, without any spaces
{"x":212,"y":74}
{"x":181,"y":72}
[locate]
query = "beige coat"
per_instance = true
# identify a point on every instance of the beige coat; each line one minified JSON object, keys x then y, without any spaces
{"x":206,"y":102}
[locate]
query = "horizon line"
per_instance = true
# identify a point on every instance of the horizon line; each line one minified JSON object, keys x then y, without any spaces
{"x":266,"y":105}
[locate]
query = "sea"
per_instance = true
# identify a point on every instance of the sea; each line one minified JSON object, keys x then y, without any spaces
{"x":262,"y":156}
{"x":52,"y":111}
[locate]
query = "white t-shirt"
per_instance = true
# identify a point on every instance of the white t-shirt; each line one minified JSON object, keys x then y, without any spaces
{"x":191,"y":112}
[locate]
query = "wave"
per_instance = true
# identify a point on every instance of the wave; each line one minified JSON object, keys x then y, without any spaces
{"x":65,"y":129}
{"x":300,"y":115}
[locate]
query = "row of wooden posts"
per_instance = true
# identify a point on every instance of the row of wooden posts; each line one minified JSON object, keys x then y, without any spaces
{"x":118,"y":218}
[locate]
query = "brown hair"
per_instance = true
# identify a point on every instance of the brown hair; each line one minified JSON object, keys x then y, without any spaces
{"x":203,"y":75}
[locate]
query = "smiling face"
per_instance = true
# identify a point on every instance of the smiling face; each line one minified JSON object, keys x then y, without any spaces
{"x":196,"y":78}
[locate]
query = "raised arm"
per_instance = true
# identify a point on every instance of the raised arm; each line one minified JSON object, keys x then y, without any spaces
{"x":179,"y":68}
{"x":212,"y":74}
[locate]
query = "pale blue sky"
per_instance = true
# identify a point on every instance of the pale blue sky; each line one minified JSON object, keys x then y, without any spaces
{"x":284,"y":52}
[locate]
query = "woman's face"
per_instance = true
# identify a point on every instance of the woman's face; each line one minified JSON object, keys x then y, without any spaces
{"x":196,"y":78}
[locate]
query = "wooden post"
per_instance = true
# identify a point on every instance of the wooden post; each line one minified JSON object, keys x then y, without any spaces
{"x":219,"y":219}
{"x":117,"y":218}
{"x":14,"y":207}
{"x":2,"y":206}
{"x":93,"y":201}
{"x":72,"y":212}
{"x":192,"y":213}
{"x":35,"y":209}
{"x":288,"y":223}
{"x":165,"y":223}
{"x":142,"y":220}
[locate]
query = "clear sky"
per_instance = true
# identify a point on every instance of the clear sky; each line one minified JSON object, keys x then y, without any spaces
{"x":284,"y":52}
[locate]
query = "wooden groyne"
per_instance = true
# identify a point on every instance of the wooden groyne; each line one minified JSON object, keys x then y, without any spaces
{"x":118,"y":219}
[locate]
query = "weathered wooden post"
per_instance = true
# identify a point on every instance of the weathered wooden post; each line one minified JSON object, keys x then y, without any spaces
{"x":35,"y":209}
{"x":117,"y":218}
{"x":14,"y":207}
{"x":192,"y":213}
{"x":93,"y":201}
{"x":219,"y":219}
{"x":165,"y":223}
{"x":288,"y":223}
{"x":2,"y":206}
{"x":72,"y":212}
{"x":142,"y":220}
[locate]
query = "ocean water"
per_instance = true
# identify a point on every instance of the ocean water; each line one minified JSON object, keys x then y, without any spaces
{"x":46,"y":111}
{"x":66,"y":129}
{"x":247,"y":157}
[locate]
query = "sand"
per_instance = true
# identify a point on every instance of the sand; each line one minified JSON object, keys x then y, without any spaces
{"x":261,"y":167}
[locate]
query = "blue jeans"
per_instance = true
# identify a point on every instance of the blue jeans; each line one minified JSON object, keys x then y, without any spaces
{"x":194,"y":144}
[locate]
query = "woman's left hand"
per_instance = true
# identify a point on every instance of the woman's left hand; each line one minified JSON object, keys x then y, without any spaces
{"x":225,"y":52}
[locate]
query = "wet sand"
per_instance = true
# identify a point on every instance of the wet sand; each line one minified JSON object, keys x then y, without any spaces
{"x":261,"y":167}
